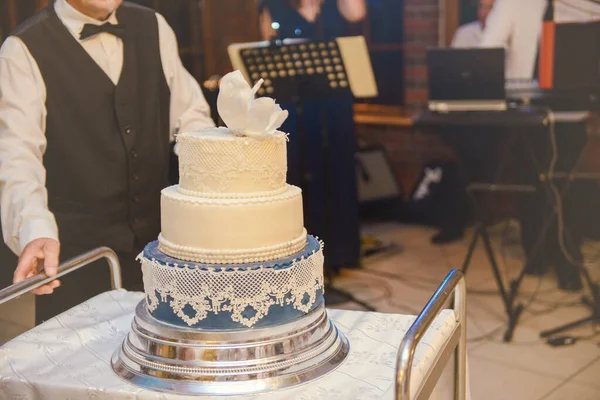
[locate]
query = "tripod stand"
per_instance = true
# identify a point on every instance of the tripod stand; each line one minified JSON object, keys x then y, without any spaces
{"x":513,"y":311}
{"x":553,"y":213}
{"x":593,"y":303}
{"x":522,"y":123}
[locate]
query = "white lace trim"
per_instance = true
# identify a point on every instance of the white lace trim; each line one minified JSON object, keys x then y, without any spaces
{"x":234,"y":290}
{"x":209,"y":256}
{"x":238,"y":165}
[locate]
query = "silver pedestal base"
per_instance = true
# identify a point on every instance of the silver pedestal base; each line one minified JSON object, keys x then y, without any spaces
{"x":168,"y":358}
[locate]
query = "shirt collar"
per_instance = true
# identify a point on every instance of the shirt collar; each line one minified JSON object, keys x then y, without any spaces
{"x":74,"y":20}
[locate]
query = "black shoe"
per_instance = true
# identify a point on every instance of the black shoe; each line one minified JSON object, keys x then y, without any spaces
{"x":446,"y":236}
{"x":536,"y":270}
{"x":570,"y":285}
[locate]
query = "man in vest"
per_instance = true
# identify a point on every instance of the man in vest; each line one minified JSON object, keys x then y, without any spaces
{"x":92,"y":93}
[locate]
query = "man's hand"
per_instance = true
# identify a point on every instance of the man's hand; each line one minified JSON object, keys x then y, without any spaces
{"x":39,"y":254}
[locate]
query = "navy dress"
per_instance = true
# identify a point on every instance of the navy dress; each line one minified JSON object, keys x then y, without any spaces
{"x":321,"y":155}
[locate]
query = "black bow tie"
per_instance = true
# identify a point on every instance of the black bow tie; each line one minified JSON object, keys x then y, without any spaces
{"x":91,"y":30}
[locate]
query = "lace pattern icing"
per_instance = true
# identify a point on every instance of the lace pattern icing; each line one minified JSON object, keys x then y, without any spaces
{"x":221,"y":166}
{"x":213,"y":290}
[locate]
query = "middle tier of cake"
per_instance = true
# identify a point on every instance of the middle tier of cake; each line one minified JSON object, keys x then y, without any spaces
{"x":227,"y":231}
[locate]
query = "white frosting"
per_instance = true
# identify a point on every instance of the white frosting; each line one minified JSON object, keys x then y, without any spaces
{"x":232,"y":204}
{"x":216,"y":163}
{"x":226,"y":230}
{"x":209,"y":256}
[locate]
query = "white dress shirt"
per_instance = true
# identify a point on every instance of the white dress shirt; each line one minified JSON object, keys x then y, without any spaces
{"x":23,"y":195}
{"x":576,"y":10}
{"x":468,"y":35}
{"x":516,"y":25}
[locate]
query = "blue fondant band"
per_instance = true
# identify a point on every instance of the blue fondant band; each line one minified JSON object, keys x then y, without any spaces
{"x":278,"y":314}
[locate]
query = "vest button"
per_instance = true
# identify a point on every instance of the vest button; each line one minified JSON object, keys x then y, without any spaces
{"x":133,"y":153}
{"x":128,"y":130}
{"x":136,"y":199}
{"x":135,"y":177}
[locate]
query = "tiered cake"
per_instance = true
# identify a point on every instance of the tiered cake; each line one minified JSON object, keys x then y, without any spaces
{"x":233,"y":262}
{"x":233,"y":251}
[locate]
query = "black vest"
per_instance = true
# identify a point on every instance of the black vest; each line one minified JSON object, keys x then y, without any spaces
{"x":107,"y":155}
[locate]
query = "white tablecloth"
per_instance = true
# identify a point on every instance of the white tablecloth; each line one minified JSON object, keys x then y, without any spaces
{"x":68,"y":357}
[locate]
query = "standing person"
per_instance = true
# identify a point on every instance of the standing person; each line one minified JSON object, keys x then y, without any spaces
{"x":516,"y":25}
{"x":321,"y":155}
{"x":469,"y":35}
{"x":91,"y":95}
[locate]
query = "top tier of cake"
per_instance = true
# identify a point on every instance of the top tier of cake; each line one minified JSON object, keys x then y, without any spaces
{"x":218,"y":164}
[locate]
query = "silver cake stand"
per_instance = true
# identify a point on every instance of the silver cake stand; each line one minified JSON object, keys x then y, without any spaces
{"x":168,"y":358}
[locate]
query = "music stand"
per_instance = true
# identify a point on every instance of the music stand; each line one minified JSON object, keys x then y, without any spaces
{"x":295,"y":70}
{"x":298,"y":69}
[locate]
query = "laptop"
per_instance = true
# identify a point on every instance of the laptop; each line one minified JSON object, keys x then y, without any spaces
{"x":466,"y":79}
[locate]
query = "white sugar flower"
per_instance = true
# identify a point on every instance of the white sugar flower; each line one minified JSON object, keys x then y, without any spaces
{"x":242,"y":113}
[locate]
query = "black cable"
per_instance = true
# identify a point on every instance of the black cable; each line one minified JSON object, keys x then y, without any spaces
{"x":388,"y":295}
{"x":421,"y":282}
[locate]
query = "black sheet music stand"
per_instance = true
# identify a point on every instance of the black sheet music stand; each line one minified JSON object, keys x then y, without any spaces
{"x":298,"y":69}
{"x":295,"y":70}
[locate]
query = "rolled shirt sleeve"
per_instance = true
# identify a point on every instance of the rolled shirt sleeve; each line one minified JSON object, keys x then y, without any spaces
{"x":23,"y":194}
{"x":189,"y":109}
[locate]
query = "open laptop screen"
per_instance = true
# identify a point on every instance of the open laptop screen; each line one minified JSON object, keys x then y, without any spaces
{"x":465,"y":74}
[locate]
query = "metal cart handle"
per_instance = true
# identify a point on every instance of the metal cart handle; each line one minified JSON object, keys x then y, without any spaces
{"x":453,"y":284}
{"x":67,"y":267}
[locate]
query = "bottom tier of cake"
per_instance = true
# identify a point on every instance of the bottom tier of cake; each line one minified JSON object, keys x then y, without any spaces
{"x":226,"y":297}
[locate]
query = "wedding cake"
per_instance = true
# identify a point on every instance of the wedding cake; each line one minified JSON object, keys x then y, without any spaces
{"x":233,"y":284}
{"x":233,"y":252}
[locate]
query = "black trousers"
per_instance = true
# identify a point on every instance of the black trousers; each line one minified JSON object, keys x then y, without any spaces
{"x":86,"y":282}
{"x":581,"y":220}
{"x":321,"y":161}
{"x":579,"y":206}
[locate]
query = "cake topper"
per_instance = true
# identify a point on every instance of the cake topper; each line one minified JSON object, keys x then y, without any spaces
{"x":245,"y":115}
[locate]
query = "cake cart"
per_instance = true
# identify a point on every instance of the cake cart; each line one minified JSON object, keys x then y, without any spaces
{"x":69,"y":355}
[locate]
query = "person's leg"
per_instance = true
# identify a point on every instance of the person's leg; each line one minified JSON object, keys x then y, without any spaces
{"x":567,"y":238}
{"x":531,"y":213}
{"x":453,"y":205}
{"x":312,"y":168}
{"x":294,"y":150}
{"x":341,"y":193}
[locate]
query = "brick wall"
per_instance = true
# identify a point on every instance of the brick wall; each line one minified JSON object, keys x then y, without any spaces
{"x":420,"y":31}
{"x":409,"y":150}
